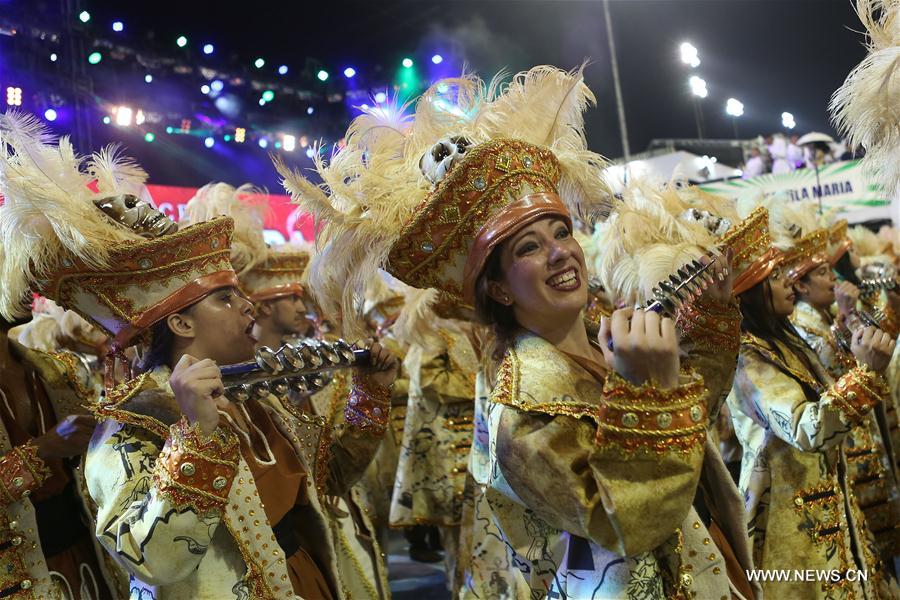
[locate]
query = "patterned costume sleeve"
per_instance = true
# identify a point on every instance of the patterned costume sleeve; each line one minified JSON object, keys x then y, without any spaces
{"x":711,"y":336}
{"x":358,"y":433}
{"x":600,"y":480}
{"x":158,"y":507}
{"x":21,"y":472}
{"x":765,"y":390}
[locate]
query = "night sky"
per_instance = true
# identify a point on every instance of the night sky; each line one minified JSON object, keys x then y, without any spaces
{"x":772,"y":55}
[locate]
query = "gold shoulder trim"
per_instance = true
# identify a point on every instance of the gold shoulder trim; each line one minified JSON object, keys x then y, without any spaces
{"x":764,"y":349}
{"x":112,"y":406}
{"x":506,"y":392}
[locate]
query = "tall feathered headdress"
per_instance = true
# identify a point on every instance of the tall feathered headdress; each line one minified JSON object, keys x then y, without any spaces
{"x":866,"y":108}
{"x":797,"y":230}
{"x":108,"y":255}
{"x":653,"y":230}
{"x":246,"y":206}
{"x":49,"y":213}
{"x":411,"y":192}
{"x":866,"y":242}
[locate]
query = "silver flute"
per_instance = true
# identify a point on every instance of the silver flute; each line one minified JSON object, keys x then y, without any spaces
{"x":299,"y":365}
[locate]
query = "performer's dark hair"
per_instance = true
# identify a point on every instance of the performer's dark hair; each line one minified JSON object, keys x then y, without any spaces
{"x":490,"y":312}
{"x":159,"y":351}
{"x":759,"y":319}
{"x":844,"y":269}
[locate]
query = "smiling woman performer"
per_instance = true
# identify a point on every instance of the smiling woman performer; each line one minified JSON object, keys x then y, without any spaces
{"x":195,"y":497}
{"x":791,"y":417}
{"x":588,"y":492}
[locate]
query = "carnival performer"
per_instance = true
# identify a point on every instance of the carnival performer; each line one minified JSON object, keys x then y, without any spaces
{"x":441,"y":364}
{"x":50,"y":546}
{"x":875,"y":264}
{"x":868,"y":448}
{"x":272,"y":280}
{"x":339,"y":513}
{"x":867,"y":264}
{"x":196,"y":497}
{"x":279,"y":296}
{"x":62,"y":354}
{"x":654,"y":232}
{"x":474,"y":208}
{"x":792,"y":418}
{"x":271,"y":277}
{"x":382,"y":305}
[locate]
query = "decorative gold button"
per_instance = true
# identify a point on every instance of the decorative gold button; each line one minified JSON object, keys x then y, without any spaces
{"x":16,"y":541}
{"x":798,"y":501}
{"x":664,"y":419}
{"x":696,"y":525}
{"x":630,"y":419}
{"x":716,"y":570}
{"x":188,"y":469}
{"x":13,"y":524}
{"x":706,"y":541}
{"x":18,"y":482}
{"x":219,"y":482}
{"x":26,"y":585}
{"x":687,"y":579}
{"x":711,"y":557}
{"x":851,"y":396}
{"x":696,"y":413}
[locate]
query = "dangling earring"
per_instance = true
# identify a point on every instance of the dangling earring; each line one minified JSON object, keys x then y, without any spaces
{"x":507,"y":300}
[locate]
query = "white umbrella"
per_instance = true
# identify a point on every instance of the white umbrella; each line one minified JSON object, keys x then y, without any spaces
{"x":815,"y":136}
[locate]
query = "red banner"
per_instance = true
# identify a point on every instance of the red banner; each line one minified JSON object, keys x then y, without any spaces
{"x":284,"y":223}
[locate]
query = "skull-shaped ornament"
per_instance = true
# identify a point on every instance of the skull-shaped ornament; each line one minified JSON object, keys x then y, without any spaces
{"x":136,"y":214}
{"x":438,"y":161}
{"x":715,"y":225}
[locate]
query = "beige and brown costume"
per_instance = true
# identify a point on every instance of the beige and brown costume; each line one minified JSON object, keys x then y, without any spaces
{"x":441,"y":364}
{"x":653,"y":231}
{"x":49,"y":549}
{"x":332,"y":525}
{"x":503,"y":168}
{"x":182,"y":512}
{"x":869,"y":458}
{"x":801,"y":511}
{"x":792,"y":424}
{"x":245,"y":514}
{"x":868,"y":448}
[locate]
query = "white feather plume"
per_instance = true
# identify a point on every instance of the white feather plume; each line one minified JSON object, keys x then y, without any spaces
{"x":247,"y":206}
{"x":866,"y":108}
{"x":48,"y":212}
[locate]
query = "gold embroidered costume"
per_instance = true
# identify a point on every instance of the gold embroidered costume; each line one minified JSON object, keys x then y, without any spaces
{"x":548,"y":419}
